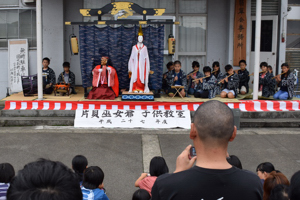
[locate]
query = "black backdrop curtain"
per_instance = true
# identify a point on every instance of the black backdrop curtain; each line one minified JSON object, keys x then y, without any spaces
{"x":116,"y":43}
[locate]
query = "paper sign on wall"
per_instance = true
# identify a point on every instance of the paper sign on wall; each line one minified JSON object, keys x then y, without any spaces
{"x":17,"y":63}
{"x":133,"y":118}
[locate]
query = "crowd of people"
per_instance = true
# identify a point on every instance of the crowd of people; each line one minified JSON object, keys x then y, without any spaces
{"x":211,"y":174}
{"x":213,"y":82}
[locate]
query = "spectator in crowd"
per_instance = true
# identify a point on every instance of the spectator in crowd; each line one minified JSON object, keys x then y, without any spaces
{"x":44,"y":179}
{"x":79,"y":164}
{"x":7,"y":173}
{"x":158,"y":166}
{"x":263,"y":170}
{"x":234,"y":161}
{"x":141,"y":194}
{"x":280,"y":192}
{"x":294,"y":192}
{"x":212,"y":177}
{"x":274,"y":178}
{"x":92,"y":185}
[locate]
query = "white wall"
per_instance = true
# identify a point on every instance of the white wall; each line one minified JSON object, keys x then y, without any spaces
{"x":218,"y":18}
{"x":71,"y":13}
{"x":4,"y":73}
{"x":53,"y":33}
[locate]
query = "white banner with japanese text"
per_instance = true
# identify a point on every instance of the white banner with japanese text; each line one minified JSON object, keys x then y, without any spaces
{"x":133,"y":118}
{"x":17,"y":63}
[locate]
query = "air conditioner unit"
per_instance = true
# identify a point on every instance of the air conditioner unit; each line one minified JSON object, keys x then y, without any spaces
{"x":29,"y":1}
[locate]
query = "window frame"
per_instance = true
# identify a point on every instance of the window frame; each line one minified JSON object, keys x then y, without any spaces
{"x":18,"y":11}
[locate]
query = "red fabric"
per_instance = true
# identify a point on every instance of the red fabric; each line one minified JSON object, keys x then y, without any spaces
{"x":115,"y":79}
{"x":102,"y":92}
{"x":147,"y":183}
{"x":138,"y":85}
{"x":73,"y":105}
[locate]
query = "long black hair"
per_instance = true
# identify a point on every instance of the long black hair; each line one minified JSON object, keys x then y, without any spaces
{"x":79,"y":164}
{"x":216,"y":63}
{"x":141,"y":194}
{"x":158,"y":166}
{"x":265,"y":167}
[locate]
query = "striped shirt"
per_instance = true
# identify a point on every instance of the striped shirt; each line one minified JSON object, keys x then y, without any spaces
{"x":3,"y":189}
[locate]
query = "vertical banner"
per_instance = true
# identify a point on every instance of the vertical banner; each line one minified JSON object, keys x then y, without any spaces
{"x":240,"y":30}
{"x":17,"y":63}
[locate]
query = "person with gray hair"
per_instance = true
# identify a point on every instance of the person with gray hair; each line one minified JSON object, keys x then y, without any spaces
{"x":212,"y":178}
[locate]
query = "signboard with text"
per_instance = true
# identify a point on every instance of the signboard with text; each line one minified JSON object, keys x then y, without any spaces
{"x":133,"y":118}
{"x":17,"y":63}
{"x":240,"y":30}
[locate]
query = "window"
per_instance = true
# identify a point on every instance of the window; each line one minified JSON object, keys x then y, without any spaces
{"x":293,"y":34}
{"x":192,"y":34}
{"x":192,"y":6}
{"x":9,"y":3}
{"x":17,"y":24}
{"x":266,"y":36}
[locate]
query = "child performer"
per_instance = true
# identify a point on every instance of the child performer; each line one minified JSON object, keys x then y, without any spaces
{"x":67,"y":77}
{"x":244,"y":77}
{"x":195,"y":74}
{"x":219,"y":76}
{"x":206,"y":85}
{"x":266,"y":81}
{"x":48,"y":77}
{"x":170,"y":67}
{"x":286,"y":83}
{"x":231,"y":83}
{"x":176,"y":77}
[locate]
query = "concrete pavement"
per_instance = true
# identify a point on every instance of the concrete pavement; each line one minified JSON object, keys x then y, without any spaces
{"x":124,"y":154}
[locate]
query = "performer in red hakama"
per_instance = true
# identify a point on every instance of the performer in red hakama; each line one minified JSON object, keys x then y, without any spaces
{"x":139,"y":66}
{"x":105,"y":82}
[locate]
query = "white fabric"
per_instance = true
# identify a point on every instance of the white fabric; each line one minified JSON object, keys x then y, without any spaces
{"x":227,"y":91}
{"x":260,"y":93}
{"x":243,"y":89}
{"x":142,"y":61}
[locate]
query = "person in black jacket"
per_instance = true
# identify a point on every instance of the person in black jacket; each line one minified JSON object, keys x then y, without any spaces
{"x":266,"y":81}
{"x":67,"y":77}
{"x":244,"y":77}
{"x":49,"y":79}
{"x":176,"y":77}
{"x":286,"y":82}
{"x":212,"y":177}
{"x":170,"y":67}
{"x":231,"y":83}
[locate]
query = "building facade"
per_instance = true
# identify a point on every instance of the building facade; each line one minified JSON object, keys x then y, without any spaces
{"x":205,"y":33}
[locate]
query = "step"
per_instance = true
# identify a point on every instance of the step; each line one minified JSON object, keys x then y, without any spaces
{"x":36,"y":121}
{"x":271,"y":115}
{"x":37,"y":113}
{"x":71,"y":113}
{"x":69,"y":121}
{"x":278,"y":122}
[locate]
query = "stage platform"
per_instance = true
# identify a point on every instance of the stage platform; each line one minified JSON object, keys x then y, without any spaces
{"x":77,"y":101}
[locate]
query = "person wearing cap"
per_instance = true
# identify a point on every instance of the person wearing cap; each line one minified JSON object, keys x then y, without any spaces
{"x":105,"y":81}
{"x":139,"y":66}
{"x":67,"y":77}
